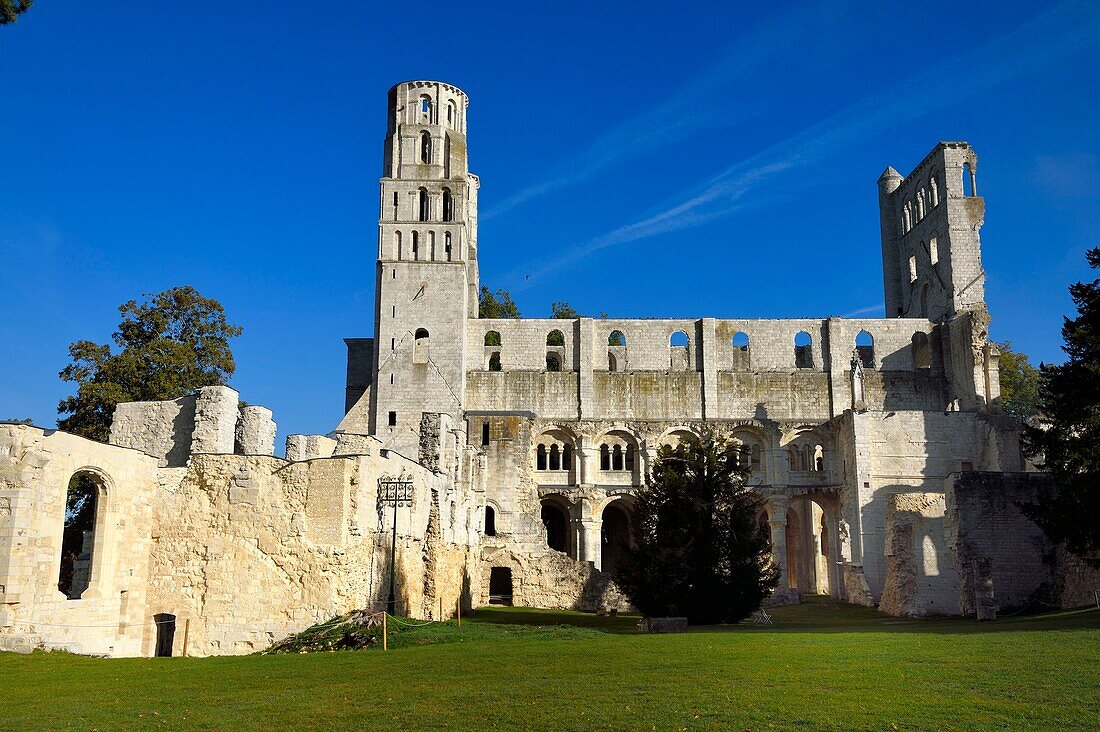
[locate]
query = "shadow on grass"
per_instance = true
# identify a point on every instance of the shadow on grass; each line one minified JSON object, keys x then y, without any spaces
{"x":817,"y":614}
{"x":538,"y":617}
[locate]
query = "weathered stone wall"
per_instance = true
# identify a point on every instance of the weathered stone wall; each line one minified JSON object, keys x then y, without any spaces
{"x":994,"y":541}
{"x":35,"y":469}
{"x":920,"y":568}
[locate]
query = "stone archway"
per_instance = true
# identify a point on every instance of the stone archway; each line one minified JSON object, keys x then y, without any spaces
{"x":614,"y":535}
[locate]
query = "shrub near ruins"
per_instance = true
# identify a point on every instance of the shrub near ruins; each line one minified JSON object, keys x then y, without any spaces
{"x":699,"y":550}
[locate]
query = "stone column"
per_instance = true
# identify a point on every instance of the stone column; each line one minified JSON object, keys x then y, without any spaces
{"x":589,"y":463}
{"x":591,"y":529}
{"x":777,"y":520}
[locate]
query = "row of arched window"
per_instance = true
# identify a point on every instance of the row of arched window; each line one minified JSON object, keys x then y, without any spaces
{"x":554,"y":457}
{"x":416,"y":252}
{"x":806,"y":458}
{"x":926,"y":199}
{"x":427,"y":117}
{"x":424,"y":205}
{"x":616,"y":457}
{"x":679,"y":350}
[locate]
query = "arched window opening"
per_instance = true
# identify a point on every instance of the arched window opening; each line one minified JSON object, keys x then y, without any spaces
{"x":451,"y":116}
{"x":907,"y":218}
{"x":540,"y":457}
{"x":922,"y":354}
{"x":819,"y":458}
{"x":494,"y":361}
{"x":397,"y":245}
{"x":970,"y":183}
{"x":912,"y":268}
{"x":492,"y":338}
{"x":567,"y":458}
{"x":553,"y":362}
{"x":920,"y":204}
{"x":395,"y":205}
{"x":425,"y":147}
{"x":924,"y":293}
{"x":555,"y":338}
{"x":629,"y":458}
{"x":803,"y":350}
{"x":612,"y":363}
{"x":431,"y":245}
{"x":679,"y":355}
{"x":794,"y":459}
{"x":490,"y":521}
{"x":448,"y":205}
{"x":447,"y":245}
{"x":555,"y":458}
{"x":557,"y":525}
{"x":865,"y":349}
{"x":616,"y":338}
{"x":617,"y":457}
{"x":605,"y":457}
{"x":425,"y":204}
{"x":935,"y":188}
{"x":420,"y":346}
{"x":426,"y":106}
{"x":82,"y":500}
{"x":614,"y":538}
{"x":740,"y":344}
{"x":933,"y":250}
{"x":416,"y":247}
{"x":485,"y":429}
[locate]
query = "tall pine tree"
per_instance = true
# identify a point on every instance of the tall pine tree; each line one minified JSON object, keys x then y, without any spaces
{"x":1067,"y":438}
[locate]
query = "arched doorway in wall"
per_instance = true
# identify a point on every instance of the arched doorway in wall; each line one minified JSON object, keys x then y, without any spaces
{"x":811,"y":551}
{"x":794,"y":547}
{"x":555,"y":519}
{"x":166,"y":634}
{"x":500,"y":586}
{"x":83,"y":505}
{"x":614,"y":536}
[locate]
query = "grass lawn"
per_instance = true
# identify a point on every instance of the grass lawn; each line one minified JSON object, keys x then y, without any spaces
{"x":821,"y":666}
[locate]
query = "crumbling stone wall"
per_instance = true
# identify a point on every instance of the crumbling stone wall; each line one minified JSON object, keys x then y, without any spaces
{"x":920,"y":570}
{"x":994,"y":542}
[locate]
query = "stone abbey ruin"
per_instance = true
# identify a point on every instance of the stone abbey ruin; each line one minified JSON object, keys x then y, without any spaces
{"x":891,"y":476}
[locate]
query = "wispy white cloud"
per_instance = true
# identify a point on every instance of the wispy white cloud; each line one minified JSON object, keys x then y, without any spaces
{"x":1040,"y":41}
{"x":876,"y":308}
{"x":683,"y":115}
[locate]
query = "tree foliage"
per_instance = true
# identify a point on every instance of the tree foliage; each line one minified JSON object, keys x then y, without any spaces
{"x":11,"y":9}
{"x":699,"y":550}
{"x":1067,"y":436}
{"x":497,"y":304}
{"x":1019,"y":383}
{"x":171,"y":344}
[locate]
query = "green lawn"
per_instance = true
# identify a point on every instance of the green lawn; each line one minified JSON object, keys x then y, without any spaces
{"x":821,"y":666}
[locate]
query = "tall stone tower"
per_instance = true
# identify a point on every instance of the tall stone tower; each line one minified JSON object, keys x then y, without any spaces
{"x":427,"y":263}
{"x":930,"y":223}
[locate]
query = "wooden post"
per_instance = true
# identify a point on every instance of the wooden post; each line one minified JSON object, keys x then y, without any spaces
{"x":186,"y":634}
{"x":385,"y":640}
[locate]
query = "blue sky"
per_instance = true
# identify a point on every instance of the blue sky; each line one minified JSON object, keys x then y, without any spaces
{"x":663,"y":160}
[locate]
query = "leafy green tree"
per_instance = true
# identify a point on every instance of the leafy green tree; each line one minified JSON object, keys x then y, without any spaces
{"x":495,"y":305}
{"x":1019,"y":383}
{"x":11,"y":9}
{"x":1067,"y":437}
{"x":563,"y":311}
{"x":699,"y":551}
{"x":171,"y":344}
